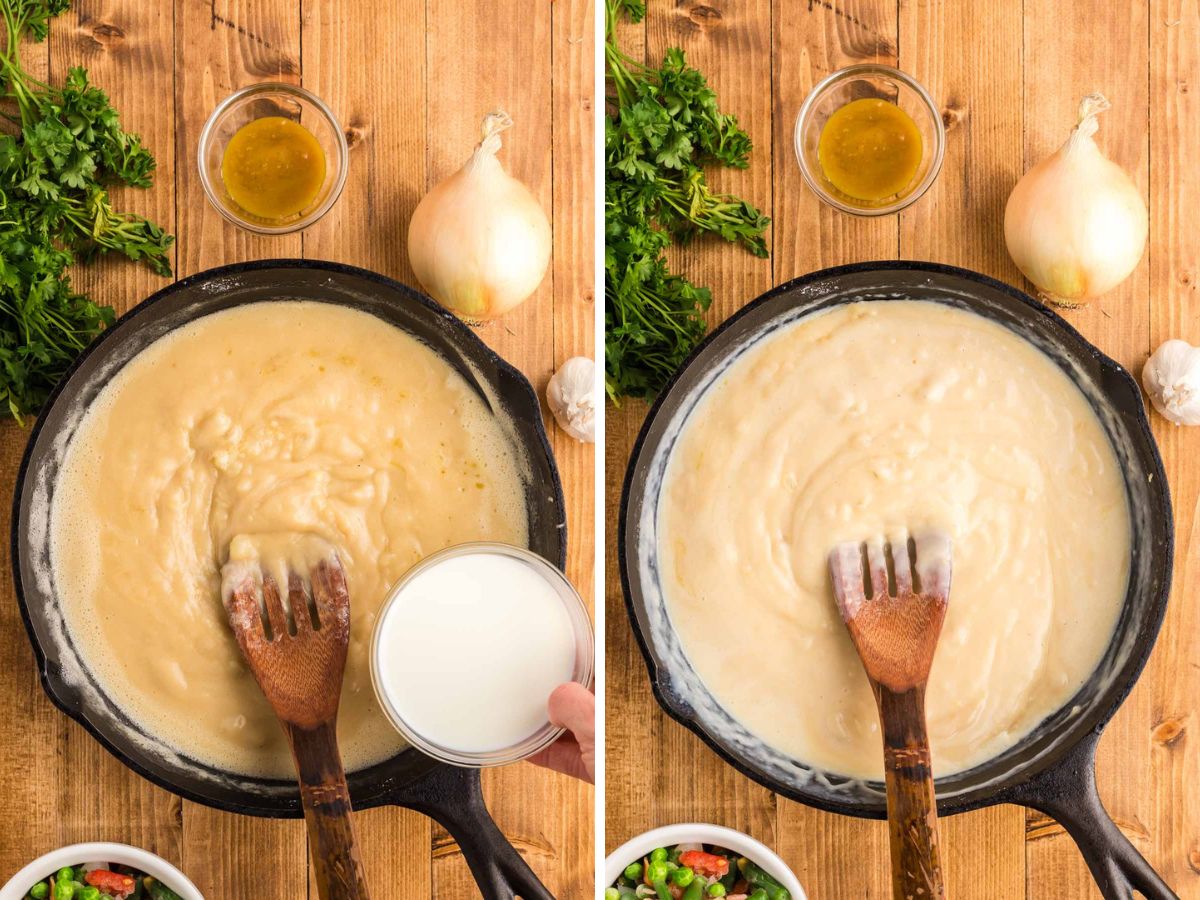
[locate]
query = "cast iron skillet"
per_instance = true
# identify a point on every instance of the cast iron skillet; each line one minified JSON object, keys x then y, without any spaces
{"x":448,"y":794}
{"x":1051,"y":770}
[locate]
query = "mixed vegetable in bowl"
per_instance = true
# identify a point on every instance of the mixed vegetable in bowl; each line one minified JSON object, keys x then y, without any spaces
{"x":100,"y":881}
{"x":692,"y":872}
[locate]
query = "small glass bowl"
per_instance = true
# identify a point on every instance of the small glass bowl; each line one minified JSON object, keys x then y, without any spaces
{"x":272,"y":99}
{"x":855,"y":83}
{"x":581,"y":625}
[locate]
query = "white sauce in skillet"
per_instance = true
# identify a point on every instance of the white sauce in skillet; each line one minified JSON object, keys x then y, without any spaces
{"x":873,"y":419}
{"x":247,"y":427}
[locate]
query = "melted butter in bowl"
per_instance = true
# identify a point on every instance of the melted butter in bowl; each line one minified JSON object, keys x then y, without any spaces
{"x":881,"y":418}
{"x":265,"y":420}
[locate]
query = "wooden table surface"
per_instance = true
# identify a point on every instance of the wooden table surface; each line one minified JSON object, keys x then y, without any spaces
{"x":1008,"y":77}
{"x":410,"y":81}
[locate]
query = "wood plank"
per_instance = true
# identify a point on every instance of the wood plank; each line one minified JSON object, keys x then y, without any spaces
{"x":573,"y":56}
{"x":1172,"y":805}
{"x":1118,"y":324}
{"x":811,"y":41}
{"x":487,"y":56}
{"x":46,"y":786}
{"x":349,"y":51}
{"x":573,"y":49}
{"x":128,"y":53}
{"x":370,"y":69}
{"x":968,"y":56}
{"x":220,"y":47}
{"x":659,"y":773}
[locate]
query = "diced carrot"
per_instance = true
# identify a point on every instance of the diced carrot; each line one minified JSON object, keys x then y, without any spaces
{"x":110,"y":882}
{"x":705,"y":863}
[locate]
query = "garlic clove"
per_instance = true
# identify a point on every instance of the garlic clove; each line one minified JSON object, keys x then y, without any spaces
{"x":571,"y":396}
{"x":1171,"y":377}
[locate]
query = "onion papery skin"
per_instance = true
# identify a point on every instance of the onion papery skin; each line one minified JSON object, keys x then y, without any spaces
{"x":479,"y":242}
{"x":1076,"y":225}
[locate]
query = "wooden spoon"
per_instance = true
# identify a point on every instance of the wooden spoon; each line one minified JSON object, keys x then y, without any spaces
{"x":298,"y":655}
{"x":895,"y":630}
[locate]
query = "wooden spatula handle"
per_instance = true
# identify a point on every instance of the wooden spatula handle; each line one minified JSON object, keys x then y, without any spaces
{"x":912,"y":809}
{"x":326,"y":800}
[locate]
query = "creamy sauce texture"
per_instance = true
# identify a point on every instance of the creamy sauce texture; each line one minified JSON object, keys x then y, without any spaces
{"x":886,"y":419}
{"x":470,"y":649}
{"x":257,"y":431}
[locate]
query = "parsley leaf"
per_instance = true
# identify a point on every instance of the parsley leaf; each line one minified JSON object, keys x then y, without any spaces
{"x":662,"y":126}
{"x":55,"y":209}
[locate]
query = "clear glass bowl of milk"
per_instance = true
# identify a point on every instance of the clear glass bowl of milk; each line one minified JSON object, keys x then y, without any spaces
{"x":468,"y":647}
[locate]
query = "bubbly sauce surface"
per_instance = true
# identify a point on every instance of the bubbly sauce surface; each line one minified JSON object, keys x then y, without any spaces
{"x":885,"y":419}
{"x":249,"y":427}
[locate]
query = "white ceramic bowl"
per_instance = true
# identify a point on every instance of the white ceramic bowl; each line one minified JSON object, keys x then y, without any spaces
{"x":698,"y":833}
{"x":142,"y":860}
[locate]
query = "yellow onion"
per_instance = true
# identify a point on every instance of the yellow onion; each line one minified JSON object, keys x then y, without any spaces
{"x":1076,"y":223}
{"x":479,"y":242}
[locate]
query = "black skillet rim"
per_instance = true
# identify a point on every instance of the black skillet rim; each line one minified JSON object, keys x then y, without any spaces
{"x":277,"y":809}
{"x":1150,"y":626}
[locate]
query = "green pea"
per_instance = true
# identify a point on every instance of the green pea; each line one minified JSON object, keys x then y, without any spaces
{"x":683,"y":877}
{"x":612,"y":894}
{"x":66,"y":874}
{"x":758,"y":894}
{"x":40,"y":891}
{"x":716,"y":889}
{"x":656,"y":871}
{"x":64,"y":889}
{"x":90,"y":893}
{"x":658,"y":854}
{"x":633,"y":871}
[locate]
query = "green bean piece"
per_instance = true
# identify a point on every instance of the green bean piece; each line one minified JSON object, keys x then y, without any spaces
{"x":159,"y":891}
{"x":683,"y":876}
{"x":756,"y":875}
{"x":633,"y":872}
{"x":612,"y":894}
{"x":40,"y":891}
{"x":716,"y":889}
{"x":664,"y":892}
{"x":658,"y":854}
{"x":695,"y":890}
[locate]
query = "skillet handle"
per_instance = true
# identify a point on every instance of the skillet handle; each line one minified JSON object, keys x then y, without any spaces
{"x":1067,"y":793}
{"x":452,"y":796}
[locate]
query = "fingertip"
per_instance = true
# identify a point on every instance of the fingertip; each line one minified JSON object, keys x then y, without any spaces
{"x":569,"y":704}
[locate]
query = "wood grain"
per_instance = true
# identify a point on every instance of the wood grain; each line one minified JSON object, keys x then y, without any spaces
{"x":1170,"y":688}
{"x":1008,"y":77}
{"x":410,"y":85}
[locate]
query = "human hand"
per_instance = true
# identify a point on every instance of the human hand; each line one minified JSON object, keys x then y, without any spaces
{"x":573,"y":707}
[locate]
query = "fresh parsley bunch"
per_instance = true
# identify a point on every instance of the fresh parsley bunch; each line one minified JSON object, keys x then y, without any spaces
{"x":67,"y":148}
{"x":661,"y":128}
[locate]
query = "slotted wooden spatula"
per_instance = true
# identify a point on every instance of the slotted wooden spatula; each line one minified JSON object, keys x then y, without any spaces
{"x":298,"y":656}
{"x":893,"y":599}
